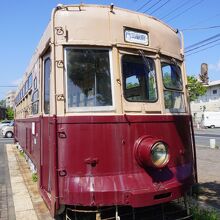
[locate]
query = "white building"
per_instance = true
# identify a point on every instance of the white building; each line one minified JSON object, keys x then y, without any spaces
{"x":9,"y":99}
{"x":208,"y":102}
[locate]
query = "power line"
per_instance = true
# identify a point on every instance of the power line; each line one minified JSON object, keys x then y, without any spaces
{"x":200,"y":28}
{"x":203,"y":49}
{"x":7,"y":86}
{"x":194,"y":5}
{"x":195,"y":48}
{"x":144,"y":5}
{"x":203,"y":41}
{"x":175,"y":9}
{"x":159,"y":7}
{"x":152,"y":6}
{"x":204,"y":20}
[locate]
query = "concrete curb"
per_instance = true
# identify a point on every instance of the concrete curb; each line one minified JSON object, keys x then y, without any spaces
{"x":27,"y":201}
{"x":24,"y":209}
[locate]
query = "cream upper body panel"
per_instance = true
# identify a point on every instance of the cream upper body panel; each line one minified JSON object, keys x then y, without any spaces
{"x":97,"y":25}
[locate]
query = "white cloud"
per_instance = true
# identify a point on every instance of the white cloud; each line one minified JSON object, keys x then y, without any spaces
{"x":215,"y":67}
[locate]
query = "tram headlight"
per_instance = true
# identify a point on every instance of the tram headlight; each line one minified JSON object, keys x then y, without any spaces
{"x":159,"y":154}
{"x":151,"y":152}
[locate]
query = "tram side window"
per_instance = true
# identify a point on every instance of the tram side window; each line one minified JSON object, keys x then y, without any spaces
{"x":47,"y":65}
{"x":35,"y":102}
{"x":35,"y":98}
{"x":88,"y":78}
{"x":26,"y":87}
{"x":30,"y":81}
{"x":139,"y":79}
{"x":173,"y":95}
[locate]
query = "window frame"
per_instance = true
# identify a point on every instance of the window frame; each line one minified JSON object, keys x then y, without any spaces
{"x":30,"y":81}
{"x":175,"y":110}
{"x":124,"y":83}
{"x":45,"y":59}
{"x":34,"y":102}
{"x":173,"y":90}
{"x":90,"y":108}
{"x":25,"y":87}
{"x":181,"y":77}
{"x":35,"y":83}
{"x":214,"y":92}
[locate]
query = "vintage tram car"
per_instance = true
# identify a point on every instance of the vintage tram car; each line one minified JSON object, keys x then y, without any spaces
{"x":102,"y":111}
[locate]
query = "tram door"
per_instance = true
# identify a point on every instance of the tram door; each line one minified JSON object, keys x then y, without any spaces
{"x":46,"y":153}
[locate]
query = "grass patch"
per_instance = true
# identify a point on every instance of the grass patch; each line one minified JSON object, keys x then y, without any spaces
{"x":21,"y":153}
{"x":34,"y":177}
{"x":204,"y":214}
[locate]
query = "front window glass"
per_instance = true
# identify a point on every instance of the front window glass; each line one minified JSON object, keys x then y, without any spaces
{"x":139,"y":79}
{"x":172,"y":80}
{"x":88,"y":78}
{"x":171,"y":76}
{"x":174,"y":101}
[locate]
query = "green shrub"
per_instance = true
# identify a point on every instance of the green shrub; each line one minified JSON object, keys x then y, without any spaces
{"x":34,"y":177}
{"x":21,"y":153}
{"x":204,"y":214}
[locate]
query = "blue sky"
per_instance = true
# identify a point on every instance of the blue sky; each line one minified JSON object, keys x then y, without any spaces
{"x":23,"y":22}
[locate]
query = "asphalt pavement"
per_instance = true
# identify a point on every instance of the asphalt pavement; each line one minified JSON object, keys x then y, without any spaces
{"x":7,"y":211}
{"x":208,"y":165}
{"x":203,"y":137}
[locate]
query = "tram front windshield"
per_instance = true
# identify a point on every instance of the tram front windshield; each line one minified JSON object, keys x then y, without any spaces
{"x":139,"y":79}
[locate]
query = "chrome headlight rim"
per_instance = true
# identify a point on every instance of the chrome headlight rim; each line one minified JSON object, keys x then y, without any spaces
{"x":162,"y":154}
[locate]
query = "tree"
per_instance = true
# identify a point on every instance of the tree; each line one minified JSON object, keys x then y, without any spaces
{"x":10,"y":113}
{"x":195,"y":88}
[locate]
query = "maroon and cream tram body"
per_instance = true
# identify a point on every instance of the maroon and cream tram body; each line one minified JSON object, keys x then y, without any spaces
{"x":102,"y":111}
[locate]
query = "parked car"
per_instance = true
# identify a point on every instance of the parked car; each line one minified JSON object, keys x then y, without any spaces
{"x":4,"y":122}
{"x":8,"y":130}
{"x":11,"y":123}
{"x":211,"y":119}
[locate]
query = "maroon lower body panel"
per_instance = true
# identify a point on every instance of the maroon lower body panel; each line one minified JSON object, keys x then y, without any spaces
{"x":90,"y":160}
{"x":136,"y":190}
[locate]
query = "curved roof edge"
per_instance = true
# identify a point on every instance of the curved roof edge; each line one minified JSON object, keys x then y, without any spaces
{"x":60,"y":6}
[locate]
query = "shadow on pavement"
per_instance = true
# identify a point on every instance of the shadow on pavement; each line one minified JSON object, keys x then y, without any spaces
{"x":209,"y":193}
